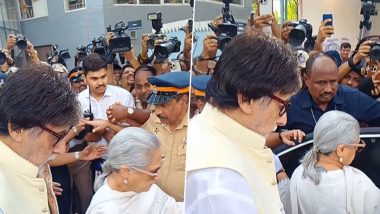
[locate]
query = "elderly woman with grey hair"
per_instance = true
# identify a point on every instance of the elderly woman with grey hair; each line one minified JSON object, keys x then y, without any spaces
{"x":127,"y":184}
{"x":324,"y":182}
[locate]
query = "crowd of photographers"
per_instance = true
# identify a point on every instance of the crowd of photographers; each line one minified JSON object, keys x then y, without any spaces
{"x":116,"y":88}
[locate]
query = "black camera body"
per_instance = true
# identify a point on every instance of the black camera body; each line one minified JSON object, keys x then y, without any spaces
{"x":121,"y":42}
{"x":99,"y":45}
{"x":302,"y":29}
{"x":190,"y":25}
{"x":81,"y":53}
{"x":3,"y":57}
{"x":226,"y":32}
{"x":163,"y":50}
{"x":153,"y":37}
{"x":157,"y":24}
{"x":374,"y":54}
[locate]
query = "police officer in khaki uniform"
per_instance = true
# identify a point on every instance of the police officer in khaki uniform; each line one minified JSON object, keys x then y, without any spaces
{"x":168,"y":121}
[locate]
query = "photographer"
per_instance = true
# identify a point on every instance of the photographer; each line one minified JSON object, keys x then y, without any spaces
{"x":11,"y":42}
{"x":351,"y":73}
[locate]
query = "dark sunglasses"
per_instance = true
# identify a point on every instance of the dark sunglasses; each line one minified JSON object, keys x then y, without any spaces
{"x":285,"y":104}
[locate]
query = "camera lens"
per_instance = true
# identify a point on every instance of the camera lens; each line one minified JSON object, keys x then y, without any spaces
{"x":375,"y":52}
{"x":297,"y":35}
{"x":21,"y":44}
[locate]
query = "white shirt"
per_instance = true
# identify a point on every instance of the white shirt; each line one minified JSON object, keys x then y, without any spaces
{"x":112,"y":95}
{"x":218,"y":190}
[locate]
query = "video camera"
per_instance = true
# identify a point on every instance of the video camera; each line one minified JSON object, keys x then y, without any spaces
{"x":99,"y":45}
{"x":58,"y":57}
{"x":302,"y":29}
{"x":374,"y":54}
{"x":81,"y":52}
{"x":228,"y":29}
{"x":157,"y":24}
{"x":163,"y":50}
{"x":121,"y":42}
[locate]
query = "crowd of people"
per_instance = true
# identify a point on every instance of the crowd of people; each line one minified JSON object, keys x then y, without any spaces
{"x":107,"y":137}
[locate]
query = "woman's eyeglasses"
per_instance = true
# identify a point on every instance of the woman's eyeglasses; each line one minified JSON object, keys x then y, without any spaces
{"x":358,"y":146}
{"x":153,"y":173}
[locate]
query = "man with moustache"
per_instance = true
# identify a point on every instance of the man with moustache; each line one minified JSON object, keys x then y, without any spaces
{"x":323,"y":94}
{"x":37,"y":109}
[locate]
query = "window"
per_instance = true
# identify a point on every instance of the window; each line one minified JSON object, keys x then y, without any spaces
{"x":285,"y":10}
{"x":32,"y":8}
{"x":75,"y":4}
{"x":151,"y":1}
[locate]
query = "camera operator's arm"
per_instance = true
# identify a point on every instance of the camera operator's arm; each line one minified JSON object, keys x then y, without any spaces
{"x":186,"y":57}
{"x":90,"y":152}
{"x":32,"y":52}
{"x":118,"y":112}
{"x":11,"y":42}
{"x":356,"y":58}
{"x":323,"y":32}
{"x":210,"y":47}
{"x":276,"y":28}
{"x":144,"y":48}
{"x":131,"y":58}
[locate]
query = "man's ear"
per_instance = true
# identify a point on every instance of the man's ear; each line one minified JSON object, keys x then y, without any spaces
{"x":14,"y":132}
{"x":245,"y":104}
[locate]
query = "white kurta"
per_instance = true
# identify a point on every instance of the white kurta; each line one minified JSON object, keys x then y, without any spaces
{"x":155,"y":201}
{"x":339,"y":191}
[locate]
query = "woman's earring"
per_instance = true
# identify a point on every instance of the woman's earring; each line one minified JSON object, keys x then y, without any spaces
{"x":341,"y":159}
{"x":125,"y":181}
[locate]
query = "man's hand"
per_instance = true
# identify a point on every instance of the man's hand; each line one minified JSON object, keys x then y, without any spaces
{"x":144,"y":46}
{"x":11,"y":42}
{"x":109,"y":36}
{"x":217,"y":21}
{"x":262,"y":21}
{"x":363,"y":52}
{"x":92,"y":152}
{"x":57,"y":188}
{"x":98,"y":125}
{"x":285,"y":31}
{"x":210,"y":47}
{"x":117,"y":113}
{"x":289,"y":136}
{"x":324,"y":31}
